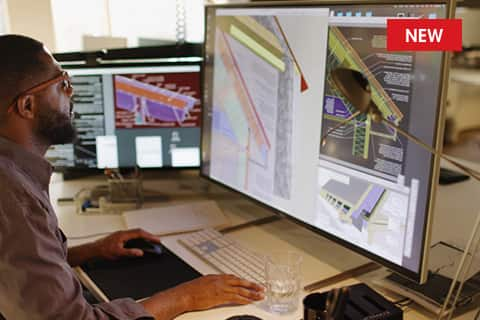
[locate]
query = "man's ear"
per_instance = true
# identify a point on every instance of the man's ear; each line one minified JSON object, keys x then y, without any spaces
{"x":26,"y":106}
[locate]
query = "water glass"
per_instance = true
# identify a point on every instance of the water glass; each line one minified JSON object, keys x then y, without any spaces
{"x":283,"y":281}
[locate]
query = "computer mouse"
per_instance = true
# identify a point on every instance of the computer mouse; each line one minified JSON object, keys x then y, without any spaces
{"x":144,"y":245}
{"x":244,"y":317}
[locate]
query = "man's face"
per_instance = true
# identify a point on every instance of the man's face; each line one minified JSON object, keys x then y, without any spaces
{"x":54,"y":114}
{"x":55,"y":126}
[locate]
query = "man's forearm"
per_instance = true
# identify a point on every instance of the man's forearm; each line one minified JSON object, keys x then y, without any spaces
{"x":168,"y":304}
{"x":81,"y":254}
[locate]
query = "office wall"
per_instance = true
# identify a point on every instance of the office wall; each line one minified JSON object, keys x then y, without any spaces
{"x":32,"y":18}
{"x":3,"y":17}
{"x":470,"y":16}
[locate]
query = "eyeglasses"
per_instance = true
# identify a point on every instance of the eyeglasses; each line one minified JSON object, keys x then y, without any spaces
{"x":67,"y":86}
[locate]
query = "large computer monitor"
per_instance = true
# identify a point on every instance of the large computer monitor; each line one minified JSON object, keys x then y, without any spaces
{"x":127,"y":116}
{"x":268,"y":98}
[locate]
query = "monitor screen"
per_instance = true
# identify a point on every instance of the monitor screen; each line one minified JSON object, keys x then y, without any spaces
{"x":269,"y":98}
{"x":134,"y":116}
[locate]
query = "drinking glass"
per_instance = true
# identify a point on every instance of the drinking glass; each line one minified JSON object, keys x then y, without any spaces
{"x":283,"y":280}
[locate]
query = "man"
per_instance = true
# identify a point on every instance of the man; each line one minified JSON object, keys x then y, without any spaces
{"x":36,"y":279}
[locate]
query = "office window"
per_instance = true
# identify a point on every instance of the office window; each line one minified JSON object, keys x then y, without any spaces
{"x":141,"y":22}
{"x":74,"y":19}
{"x":147,"y":19}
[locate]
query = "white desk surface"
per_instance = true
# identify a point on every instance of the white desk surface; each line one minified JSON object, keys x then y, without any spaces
{"x":465,"y":76}
{"x":456,"y":207}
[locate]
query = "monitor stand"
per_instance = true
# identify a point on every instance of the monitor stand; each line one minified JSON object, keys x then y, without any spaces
{"x":431,"y":295}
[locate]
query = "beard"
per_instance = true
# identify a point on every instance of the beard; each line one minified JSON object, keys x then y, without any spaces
{"x":55,"y":127}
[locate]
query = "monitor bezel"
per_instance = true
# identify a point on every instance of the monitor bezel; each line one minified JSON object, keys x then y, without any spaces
{"x":137,"y":64}
{"x":422,"y":274}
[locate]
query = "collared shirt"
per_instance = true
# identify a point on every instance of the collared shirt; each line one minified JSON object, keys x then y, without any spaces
{"x":36,"y":281}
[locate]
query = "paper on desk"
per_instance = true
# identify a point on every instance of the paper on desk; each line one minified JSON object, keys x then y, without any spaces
{"x":177,"y":218}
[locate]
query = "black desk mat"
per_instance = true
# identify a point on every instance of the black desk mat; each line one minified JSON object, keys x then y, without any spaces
{"x":139,"y":278}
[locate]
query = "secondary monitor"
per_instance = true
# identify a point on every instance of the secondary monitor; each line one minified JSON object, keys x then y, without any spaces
{"x":134,"y":116}
{"x":268,"y":98}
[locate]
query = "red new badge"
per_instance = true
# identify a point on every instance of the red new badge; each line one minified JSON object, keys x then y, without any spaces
{"x":424,"y":34}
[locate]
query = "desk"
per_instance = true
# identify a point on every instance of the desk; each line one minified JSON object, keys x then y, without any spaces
{"x":322,"y":258}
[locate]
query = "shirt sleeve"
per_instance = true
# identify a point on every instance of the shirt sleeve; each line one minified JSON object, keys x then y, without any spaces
{"x":36,"y":281}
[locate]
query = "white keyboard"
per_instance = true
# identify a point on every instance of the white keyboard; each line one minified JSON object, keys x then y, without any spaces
{"x":225,"y":255}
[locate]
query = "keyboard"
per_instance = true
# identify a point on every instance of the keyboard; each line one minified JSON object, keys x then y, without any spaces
{"x":225,"y":254}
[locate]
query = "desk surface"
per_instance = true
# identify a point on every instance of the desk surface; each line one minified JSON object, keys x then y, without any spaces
{"x":322,"y":258}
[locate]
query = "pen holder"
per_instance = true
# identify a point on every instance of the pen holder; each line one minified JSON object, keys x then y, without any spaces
{"x":314,"y":307}
{"x":326,"y":306}
{"x":126,"y":190}
{"x":357,"y":302}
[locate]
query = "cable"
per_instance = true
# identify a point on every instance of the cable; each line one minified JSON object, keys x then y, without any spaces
{"x":406,"y":304}
{"x":402,"y":302}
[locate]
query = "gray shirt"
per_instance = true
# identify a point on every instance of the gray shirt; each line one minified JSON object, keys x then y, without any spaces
{"x":36,"y":281}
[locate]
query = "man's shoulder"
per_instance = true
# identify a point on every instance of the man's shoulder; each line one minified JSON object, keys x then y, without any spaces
{"x":9,"y":173}
{"x":12,"y":182}
{"x":15,"y":199}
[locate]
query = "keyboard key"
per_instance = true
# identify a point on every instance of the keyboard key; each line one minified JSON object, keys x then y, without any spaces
{"x":226,"y":255}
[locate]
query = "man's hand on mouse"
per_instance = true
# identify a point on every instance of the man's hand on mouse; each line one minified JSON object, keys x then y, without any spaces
{"x":112,"y":246}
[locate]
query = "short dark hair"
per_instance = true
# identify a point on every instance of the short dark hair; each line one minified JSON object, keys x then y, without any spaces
{"x":20,"y":64}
